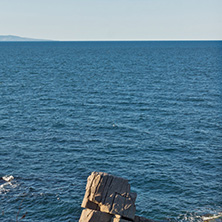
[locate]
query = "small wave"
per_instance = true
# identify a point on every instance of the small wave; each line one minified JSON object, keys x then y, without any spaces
{"x":193,"y":217}
{"x":7,"y":178}
{"x":212,"y":217}
{"x":7,"y":183}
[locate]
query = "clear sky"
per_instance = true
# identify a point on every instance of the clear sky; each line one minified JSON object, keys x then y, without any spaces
{"x":112,"y":19}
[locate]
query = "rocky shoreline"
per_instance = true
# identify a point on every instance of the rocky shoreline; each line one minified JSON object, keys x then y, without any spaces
{"x":108,"y":199}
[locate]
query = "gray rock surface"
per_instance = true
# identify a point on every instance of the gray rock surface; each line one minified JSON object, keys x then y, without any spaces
{"x":108,"y":199}
{"x":142,"y":219}
{"x":109,"y":194}
{"x":89,"y":215}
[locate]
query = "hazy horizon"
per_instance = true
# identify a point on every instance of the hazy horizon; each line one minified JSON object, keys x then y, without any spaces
{"x":24,"y":38}
{"x":112,"y":21}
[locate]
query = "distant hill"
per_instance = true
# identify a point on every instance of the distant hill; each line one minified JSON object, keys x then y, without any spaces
{"x":13,"y":38}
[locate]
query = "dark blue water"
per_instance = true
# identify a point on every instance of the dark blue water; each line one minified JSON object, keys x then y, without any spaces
{"x":150,"y":112}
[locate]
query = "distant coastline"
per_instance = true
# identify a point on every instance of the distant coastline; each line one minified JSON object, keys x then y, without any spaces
{"x":13,"y":38}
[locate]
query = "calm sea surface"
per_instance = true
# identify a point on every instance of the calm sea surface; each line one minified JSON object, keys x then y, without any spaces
{"x":150,"y":112}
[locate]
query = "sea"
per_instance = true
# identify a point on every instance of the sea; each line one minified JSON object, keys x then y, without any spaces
{"x":147,"y":111}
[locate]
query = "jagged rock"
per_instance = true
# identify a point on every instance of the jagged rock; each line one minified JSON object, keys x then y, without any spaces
{"x":109,"y":194}
{"x":108,"y":199}
{"x":120,"y":220}
{"x":89,"y":215}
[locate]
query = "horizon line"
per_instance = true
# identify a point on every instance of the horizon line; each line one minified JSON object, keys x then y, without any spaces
{"x":111,"y":40}
{"x":139,"y":40}
{"x":120,"y":39}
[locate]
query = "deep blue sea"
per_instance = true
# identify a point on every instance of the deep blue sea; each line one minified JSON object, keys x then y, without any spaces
{"x":150,"y":112}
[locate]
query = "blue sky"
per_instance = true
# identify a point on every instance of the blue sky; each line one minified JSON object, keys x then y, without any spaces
{"x":112,"y":19}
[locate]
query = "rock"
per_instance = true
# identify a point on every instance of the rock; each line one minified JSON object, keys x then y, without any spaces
{"x":117,"y":218}
{"x":89,"y":215}
{"x":108,"y":199}
{"x":109,"y":194}
{"x":142,"y":219}
{"x":123,"y":205}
